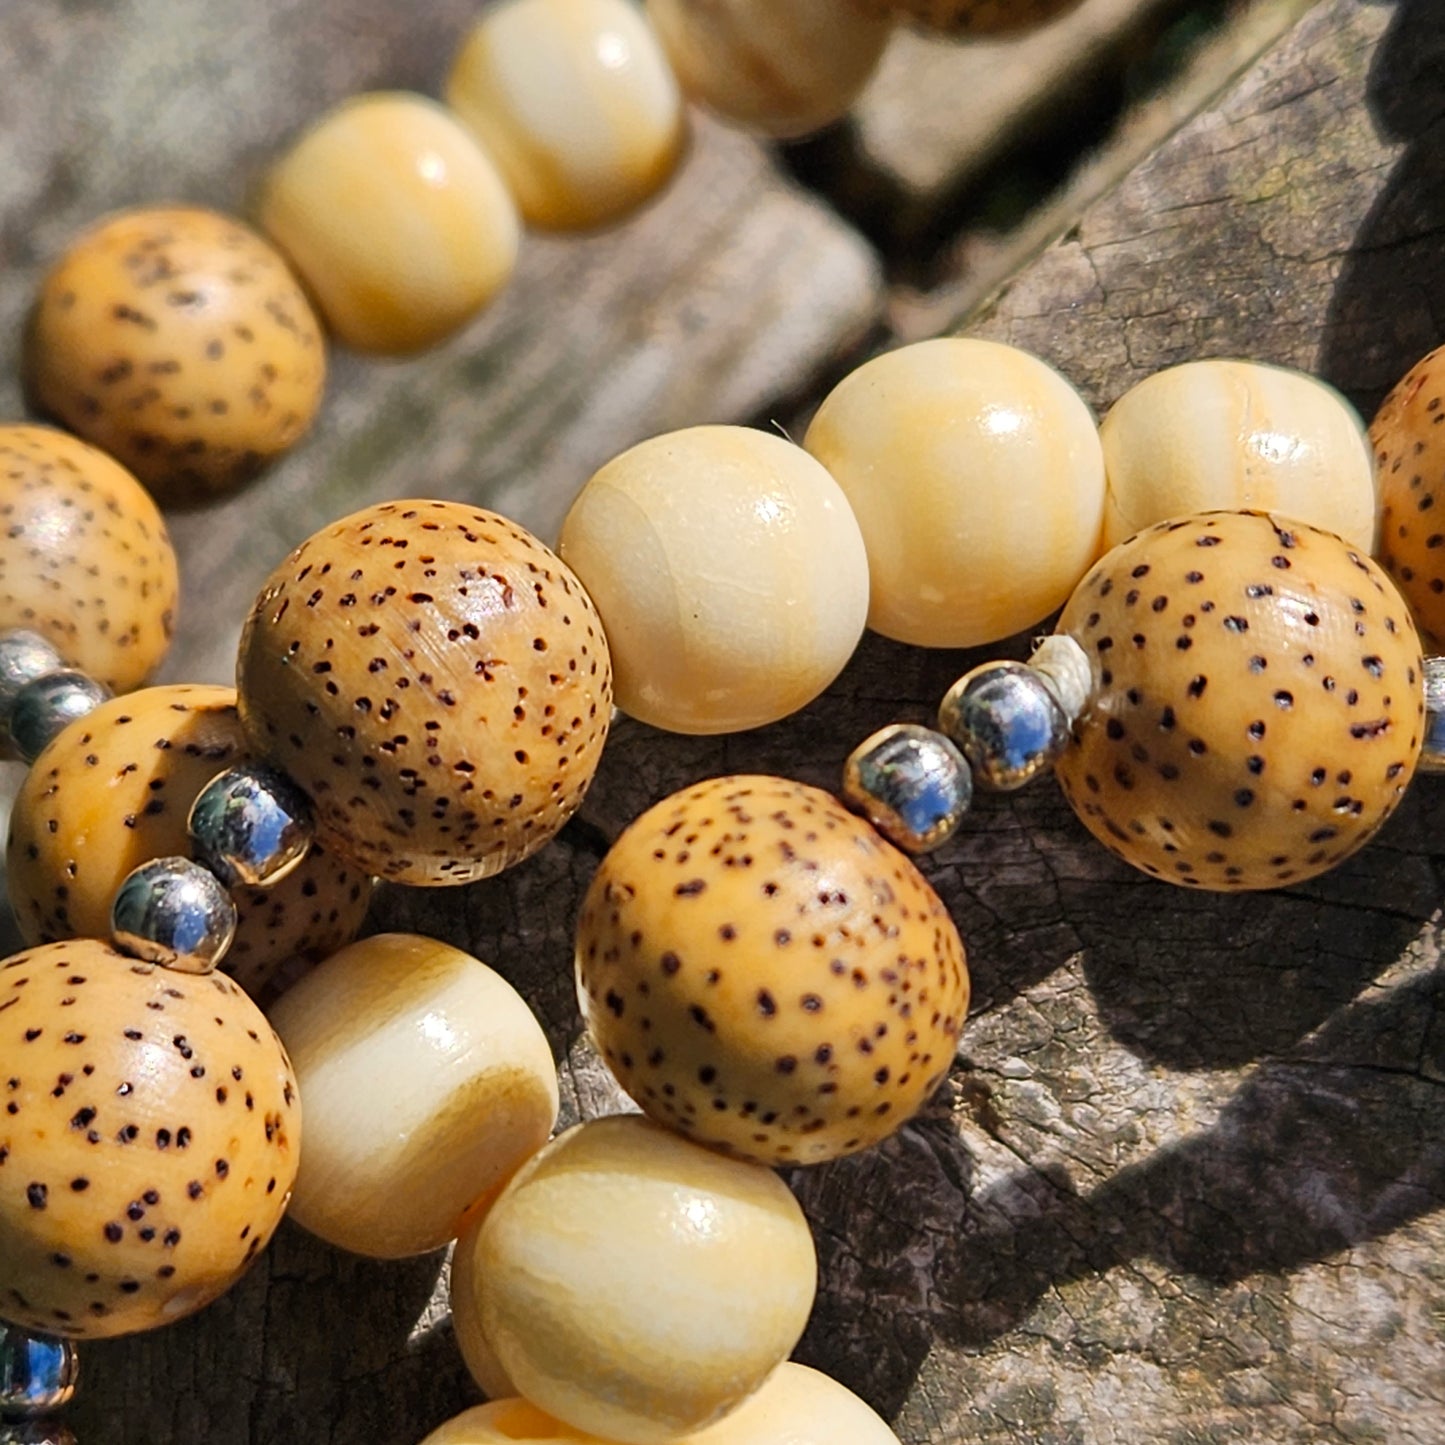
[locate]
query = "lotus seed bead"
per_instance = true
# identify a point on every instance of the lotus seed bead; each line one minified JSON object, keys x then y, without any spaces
{"x":576,"y":101}
{"x":45,"y":707}
{"x":24,"y":657}
{"x":1212,"y":435}
{"x":173,"y":912}
{"x":250,"y":826}
{"x":1008,"y":722}
{"x":1432,"y":751}
{"x":977,"y":478}
{"x":783,"y":70}
{"x":37,"y":1372}
{"x":396,"y":219}
{"x":729,"y":572}
{"x":912,"y":784}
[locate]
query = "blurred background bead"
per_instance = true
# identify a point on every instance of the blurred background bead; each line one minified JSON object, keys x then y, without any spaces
{"x":42,"y":709}
{"x":577,"y":103}
{"x":1008,"y":722}
{"x":911,"y":783}
{"x":176,"y":339}
{"x":1229,"y":435}
{"x":24,"y":657}
{"x":173,"y":912}
{"x":395,"y":218}
{"x":35,"y":1432}
{"x":1432,"y":751}
{"x":780,"y":67}
{"x":37,"y":1373}
{"x":251,"y":825}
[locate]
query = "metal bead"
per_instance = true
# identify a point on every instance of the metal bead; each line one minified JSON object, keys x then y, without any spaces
{"x":46,"y":705}
{"x":251,"y":825}
{"x":35,"y":1432}
{"x":911,"y":783}
{"x":37,"y":1373}
{"x":1432,"y":754}
{"x":173,"y":912}
{"x":24,"y":656}
{"x":1008,"y":722}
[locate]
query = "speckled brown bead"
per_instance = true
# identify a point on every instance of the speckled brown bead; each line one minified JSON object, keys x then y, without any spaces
{"x":149,"y":1135}
{"x":85,"y":559}
{"x":113,"y":791}
{"x":764,"y":973}
{"x":177,"y":340}
{"x":1260,"y":702}
{"x":436,"y":680}
{"x":977,"y":17}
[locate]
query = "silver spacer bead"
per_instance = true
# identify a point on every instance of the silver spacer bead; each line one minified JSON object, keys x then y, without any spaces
{"x":173,"y":912}
{"x":37,"y":1373}
{"x":1432,"y":753}
{"x":24,"y":656}
{"x":48,"y":705}
{"x":1006,"y":718}
{"x":251,"y":825}
{"x":911,"y":783}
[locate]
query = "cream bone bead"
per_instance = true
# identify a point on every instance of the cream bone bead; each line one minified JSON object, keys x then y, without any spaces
{"x":427,"y":1082}
{"x":977,"y":478}
{"x":1216,"y":435}
{"x":465,"y":1296}
{"x":576,"y":101}
{"x":729,"y":572}
{"x":782,"y":67}
{"x":396,"y":219}
{"x":637,"y":1286}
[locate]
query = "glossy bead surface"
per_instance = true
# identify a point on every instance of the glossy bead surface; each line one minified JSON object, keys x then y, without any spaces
{"x":173,"y":912}
{"x":44,"y":708}
{"x":465,"y":1297}
{"x":38,"y":1373}
{"x":1008,"y":722}
{"x":178,"y":341}
{"x":729,"y":572}
{"x":1217,"y":435}
{"x":436,"y":681}
{"x":977,"y":478}
{"x":250,"y":826}
{"x":577,"y":103}
{"x":24,"y":657}
{"x":783,"y":69}
{"x":1260,"y":705}
{"x":637,"y":1286}
{"x":911,"y":783}
{"x":763,"y":973}
{"x":151,"y":1137}
{"x":396,"y":219}
{"x":427,"y":1082}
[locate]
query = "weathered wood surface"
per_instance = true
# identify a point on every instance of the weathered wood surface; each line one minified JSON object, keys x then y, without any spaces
{"x":1185,"y":1184}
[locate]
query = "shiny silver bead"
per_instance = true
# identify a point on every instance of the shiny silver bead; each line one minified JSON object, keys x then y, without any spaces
{"x":1432,"y":753}
{"x":1008,"y":722}
{"x":172,"y":911}
{"x":911,"y":783}
{"x":47,"y":705}
{"x":250,"y":825}
{"x":37,"y":1373}
{"x":24,"y":656}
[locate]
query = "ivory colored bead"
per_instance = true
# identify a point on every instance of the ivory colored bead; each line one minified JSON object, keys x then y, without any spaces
{"x":85,"y":559}
{"x":637,"y":1286}
{"x":427,"y":1082}
{"x":466,"y":1286}
{"x":1260,"y":701}
{"x":436,"y":681}
{"x":977,"y":478}
{"x":729,"y":572}
{"x":1229,"y":435}
{"x":178,"y":341}
{"x":150,"y":1137}
{"x":763,"y":973}
{"x":397,"y":220}
{"x":576,"y":101}
{"x":113,"y":791}
{"x":782,"y":67}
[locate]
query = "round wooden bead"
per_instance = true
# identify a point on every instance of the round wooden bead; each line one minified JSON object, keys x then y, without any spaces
{"x":1260,"y":705}
{"x":977,"y":478}
{"x":974,"y":17}
{"x":149,"y":1140}
{"x":177,"y":340}
{"x":765,"y":974}
{"x":1408,"y":438}
{"x":1228,"y":435}
{"x":436,"y":681}
{"x":637,"y":1286}
{"x":86,"y":561}
{"x":114,"y":790}
{"x":729,"y":571}
{"x":782,"y":69}
{"x":576,"y":101}
{"x":427,"y":1083}
{"x":396,"y":219}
